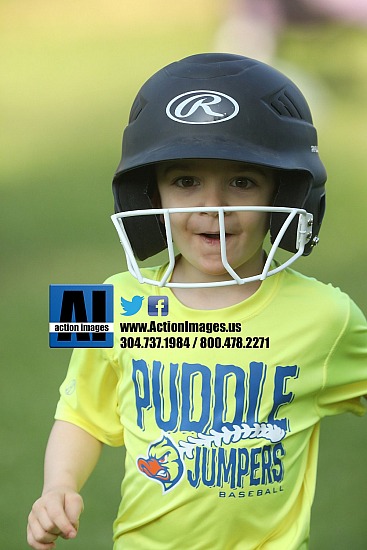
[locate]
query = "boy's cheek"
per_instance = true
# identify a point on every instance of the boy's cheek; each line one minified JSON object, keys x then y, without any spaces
{"x":254,"y":220}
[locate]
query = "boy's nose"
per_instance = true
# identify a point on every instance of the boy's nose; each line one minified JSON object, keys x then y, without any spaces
{"x":213,"y":195}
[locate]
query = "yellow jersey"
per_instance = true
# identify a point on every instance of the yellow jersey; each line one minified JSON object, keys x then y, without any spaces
{"x":219,"y":410}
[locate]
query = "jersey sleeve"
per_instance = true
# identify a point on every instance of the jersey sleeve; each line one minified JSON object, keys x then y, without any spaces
{"x":88,"y":396}
{"x":345,"y":369}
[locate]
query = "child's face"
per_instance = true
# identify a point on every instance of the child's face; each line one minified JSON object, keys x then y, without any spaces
{"x":187,"y":183}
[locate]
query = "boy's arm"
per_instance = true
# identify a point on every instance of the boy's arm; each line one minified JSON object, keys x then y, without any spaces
{"x":71,"y":456}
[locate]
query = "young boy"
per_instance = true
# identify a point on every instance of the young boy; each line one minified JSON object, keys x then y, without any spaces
{"x":225,"y":361}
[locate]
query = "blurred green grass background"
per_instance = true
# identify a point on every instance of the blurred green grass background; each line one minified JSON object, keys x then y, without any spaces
{"x":70,"y":71}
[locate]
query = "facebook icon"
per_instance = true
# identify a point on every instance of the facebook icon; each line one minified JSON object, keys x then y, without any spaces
{"x":157,"y":305}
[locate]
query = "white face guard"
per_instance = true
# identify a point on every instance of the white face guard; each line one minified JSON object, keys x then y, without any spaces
{"x":304,"y":233}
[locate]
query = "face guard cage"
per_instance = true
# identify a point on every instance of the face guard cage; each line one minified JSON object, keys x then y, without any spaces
{"x":304,"y":234}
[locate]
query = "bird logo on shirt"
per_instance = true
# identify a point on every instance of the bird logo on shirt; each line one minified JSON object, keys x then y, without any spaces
{"x":163,"y":463}
{"x":130,"y":308}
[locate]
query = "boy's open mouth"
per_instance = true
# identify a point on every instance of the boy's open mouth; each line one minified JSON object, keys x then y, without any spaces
{"x":211,"y":235}
{"x":212,"y":238}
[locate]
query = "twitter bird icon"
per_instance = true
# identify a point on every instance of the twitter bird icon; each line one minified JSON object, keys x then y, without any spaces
{"x":130,"y":308}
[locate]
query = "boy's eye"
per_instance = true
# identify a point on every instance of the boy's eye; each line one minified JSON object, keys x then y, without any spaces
{"x":185,"y":181}
{"x":243,"y":183}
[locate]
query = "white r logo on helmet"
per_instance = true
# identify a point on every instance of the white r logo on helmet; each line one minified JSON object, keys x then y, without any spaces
{"x":202,"y":107}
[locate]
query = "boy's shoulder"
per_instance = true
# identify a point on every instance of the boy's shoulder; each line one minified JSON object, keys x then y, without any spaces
{"x":311,"y":284}
{"x":326,"y":300}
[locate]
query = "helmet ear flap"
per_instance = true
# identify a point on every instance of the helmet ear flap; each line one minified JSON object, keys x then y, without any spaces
{"x":293,"y":191}
{"x":316,"y":204}
{"x":146,"y":234}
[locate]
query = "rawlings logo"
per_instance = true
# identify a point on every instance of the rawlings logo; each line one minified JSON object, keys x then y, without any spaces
{"x":202,"y":107}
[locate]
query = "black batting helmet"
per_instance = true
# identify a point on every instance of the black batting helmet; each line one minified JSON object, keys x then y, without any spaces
{"x":220,"y":106}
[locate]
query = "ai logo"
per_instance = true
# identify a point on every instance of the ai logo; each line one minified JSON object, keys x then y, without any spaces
{"x":81,"y":316}
{"x":202,"y":107}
